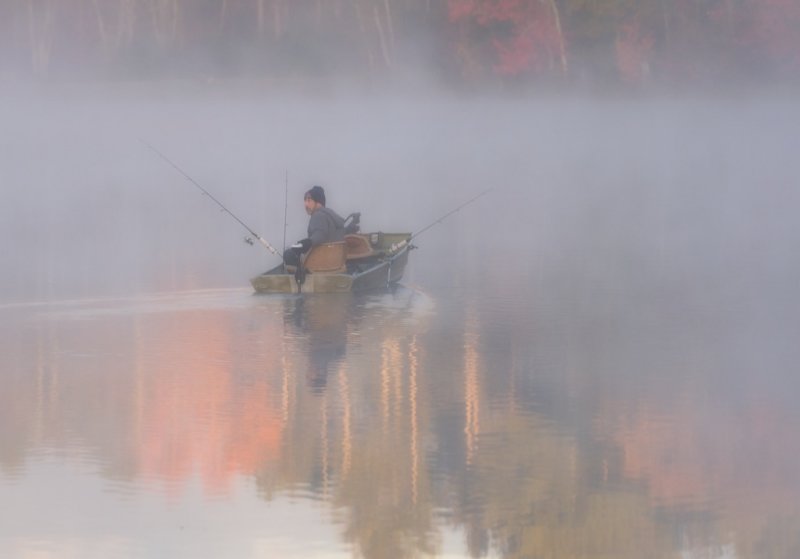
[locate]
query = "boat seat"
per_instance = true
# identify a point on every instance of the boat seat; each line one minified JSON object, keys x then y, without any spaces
{"x":357,"y":246}
{"x":327,"y":257}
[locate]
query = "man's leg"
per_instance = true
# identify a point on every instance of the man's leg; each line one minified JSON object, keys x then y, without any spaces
{"x":291,"y":257}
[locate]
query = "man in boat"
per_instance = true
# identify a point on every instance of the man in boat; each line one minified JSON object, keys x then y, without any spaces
{"x":324,"y":226}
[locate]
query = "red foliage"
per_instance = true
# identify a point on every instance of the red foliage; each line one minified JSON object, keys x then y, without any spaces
{"x":460,"y":9}
{"x":633,"y":47}
{"x":515,"y":55}
{"x":762,"y":31}
{"x":776,"y":31}
{"x":509,"y":37}
{"x":675,"y":39}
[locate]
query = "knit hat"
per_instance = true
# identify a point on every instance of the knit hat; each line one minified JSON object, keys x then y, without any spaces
{"x":316,"y":193}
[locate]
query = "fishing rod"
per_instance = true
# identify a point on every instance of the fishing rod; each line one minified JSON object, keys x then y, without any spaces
{"x":248,"y":240}
{"x":285,"y":205}
{"x":401,"y":244}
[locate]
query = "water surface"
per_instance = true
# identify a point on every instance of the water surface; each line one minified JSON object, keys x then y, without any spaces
{"x":597,"y":360}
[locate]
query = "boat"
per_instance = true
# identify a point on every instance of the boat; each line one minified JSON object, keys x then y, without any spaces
{"x":361,"y":262}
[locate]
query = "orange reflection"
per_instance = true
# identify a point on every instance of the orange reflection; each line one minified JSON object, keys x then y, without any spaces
{"x":471,"y":387}
{"x":693,"y":455}
{"x":198,"y":420}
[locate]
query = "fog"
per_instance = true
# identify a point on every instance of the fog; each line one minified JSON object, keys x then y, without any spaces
{"x":661,"y":190}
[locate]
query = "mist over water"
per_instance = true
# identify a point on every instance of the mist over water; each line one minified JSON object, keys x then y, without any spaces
{"x":595,"y":358}
{"x":679,"y":188}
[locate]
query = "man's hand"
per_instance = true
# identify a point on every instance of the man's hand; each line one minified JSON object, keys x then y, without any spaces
{"x":302,"y":245}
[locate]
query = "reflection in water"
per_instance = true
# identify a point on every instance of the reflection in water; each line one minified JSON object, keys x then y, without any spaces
{"x":324,"y":319}
{"x":544,"y":434}
{"x":197,"y":417}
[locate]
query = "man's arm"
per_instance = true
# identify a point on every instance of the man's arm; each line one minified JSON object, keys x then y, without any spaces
{"x":317,"y":229}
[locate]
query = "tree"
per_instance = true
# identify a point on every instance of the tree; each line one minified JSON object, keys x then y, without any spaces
{"x":508,"y":37}
{"x":634,"y":45}
{"x":41,"y":25}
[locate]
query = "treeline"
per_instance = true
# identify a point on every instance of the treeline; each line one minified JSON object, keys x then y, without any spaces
{"x":630,"y":41}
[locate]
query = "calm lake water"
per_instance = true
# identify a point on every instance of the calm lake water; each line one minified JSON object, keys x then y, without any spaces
{"x":515,"y":423}
{"x":599,"y":361}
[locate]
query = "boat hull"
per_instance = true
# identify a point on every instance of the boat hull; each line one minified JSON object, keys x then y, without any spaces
{"x":379,"y":273}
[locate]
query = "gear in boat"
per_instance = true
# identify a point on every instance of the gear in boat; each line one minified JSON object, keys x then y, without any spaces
{"x":362,"y":261}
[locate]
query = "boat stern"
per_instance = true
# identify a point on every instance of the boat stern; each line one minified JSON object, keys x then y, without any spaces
{"x":313,"y":283}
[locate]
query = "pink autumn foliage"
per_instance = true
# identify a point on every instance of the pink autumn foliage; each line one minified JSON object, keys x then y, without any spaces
{"x":521,"y":33}
{"x":634,"y":45}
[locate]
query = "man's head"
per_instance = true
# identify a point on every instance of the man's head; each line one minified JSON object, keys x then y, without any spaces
{"x":313,"y":199}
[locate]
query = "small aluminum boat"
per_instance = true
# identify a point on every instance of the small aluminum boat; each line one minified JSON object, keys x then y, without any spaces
{"x":362,"y":262}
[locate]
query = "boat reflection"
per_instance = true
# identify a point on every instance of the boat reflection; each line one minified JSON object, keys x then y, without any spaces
{"x":323,"y":320}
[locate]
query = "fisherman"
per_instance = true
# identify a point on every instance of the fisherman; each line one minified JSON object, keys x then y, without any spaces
{"x":324,"y":226}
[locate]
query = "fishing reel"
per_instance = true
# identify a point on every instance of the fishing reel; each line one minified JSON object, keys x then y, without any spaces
{"x":249,"y":241}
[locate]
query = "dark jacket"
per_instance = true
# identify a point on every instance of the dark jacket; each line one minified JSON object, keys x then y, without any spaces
{"x":325,"y":226}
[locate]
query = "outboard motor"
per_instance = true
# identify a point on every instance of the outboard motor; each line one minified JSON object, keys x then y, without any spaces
{"x":352,"y":224}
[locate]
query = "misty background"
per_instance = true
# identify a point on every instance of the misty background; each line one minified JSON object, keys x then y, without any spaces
{"x":671,"y":189}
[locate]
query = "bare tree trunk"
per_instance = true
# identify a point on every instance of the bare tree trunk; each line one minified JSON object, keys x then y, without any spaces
{"x":40,"y":28}
{"x":260,"y":17}
{"x":175,"y":18}
{"x":277,"y":19}
{"x":223,"y":14}
{"x":667,"y":27}
{"x":389,"y":24}
{"x":382,"y":38}
{"x":165,"y":16}
{"x":115,"y":31}
{"x":155,"y":6}
{"x":126,"y":22}
{"x":362,"y":26}
{"x":729,"y":17}
{"x":562,"y":51}
{"x":101,"y":26}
